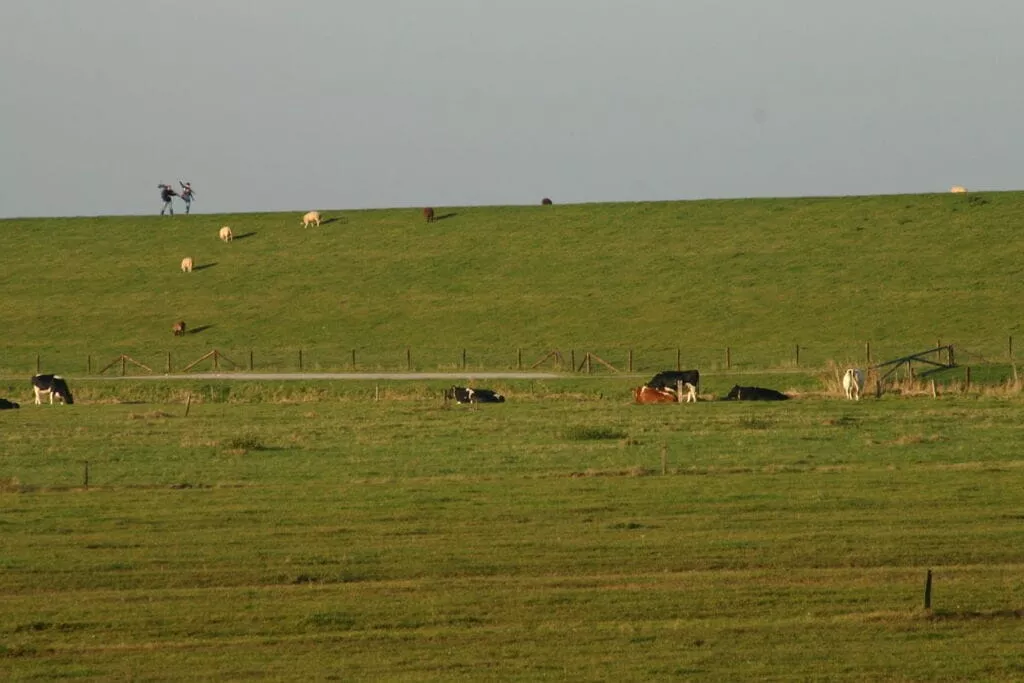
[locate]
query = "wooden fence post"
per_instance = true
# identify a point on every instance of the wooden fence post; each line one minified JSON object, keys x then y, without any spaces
{"x":967,"y":378}
{"x":353,"y":359}
{"x":928,"y":590}
{"x":463,"y":359}
{"x":572,"y":359}
{"x":250,"y":360}
{"x":519,"y":358}
{"x":797,"y":353}
{"x":408,"y":358}
{"x":728,"y":358}
{"x":123,"y":359}
{"x":168,"y":362}
{"x":37,"y":363}
{"x":300,"y":360}
{"x":629,"y":362}
{"x":88,"y":364}
{"x":587,"y":359}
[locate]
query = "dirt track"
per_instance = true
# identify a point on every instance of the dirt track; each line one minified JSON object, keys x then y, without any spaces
{"x":293,"y":376}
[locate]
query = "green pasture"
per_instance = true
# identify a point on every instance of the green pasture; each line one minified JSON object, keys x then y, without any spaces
{"x":306,"y":531}
{"x":507,"y":285}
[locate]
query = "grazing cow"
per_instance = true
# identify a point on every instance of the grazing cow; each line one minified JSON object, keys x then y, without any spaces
{"x":853,"y":383}
{"x":428,"y":213}
{"x":545,"y":202}
{"x":958,"y":189}
{"x":311,"y":217}
{"x":738,"y":393}
{"x":179,"y":328}
{"x":669,"y":379}
{"x":467,"y":395}
{"x":7,"y":405}
{"x":647,"y":394}
{"x":226,"y":235}
{"x":54,"y":385}
{"x":186,"y":264}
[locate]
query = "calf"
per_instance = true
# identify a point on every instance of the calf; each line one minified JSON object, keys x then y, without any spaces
{"x":428,"y":213}
{"x":646,"y":394}
{"x":54,"y":385}
{"x":738,"y":393}
{"x":186,"y":264}
{"x":311,"y":217}
{"x":226,"y":235}
{"x":467,"y":395}
{"x":179,"y":328}
{"x":7,"y":405}
{"x":853,"y":383}
{"x":545,"y":202}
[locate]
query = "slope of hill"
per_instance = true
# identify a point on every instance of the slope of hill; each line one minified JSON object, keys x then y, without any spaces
{"x":759,"y":276}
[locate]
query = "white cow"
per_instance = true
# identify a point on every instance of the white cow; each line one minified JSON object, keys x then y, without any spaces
{"x":226,"y":235}
{"x":958,"y":189}
{"x":311,"y":217}
{"x":186,"y":264}
{"x":853,"y":383}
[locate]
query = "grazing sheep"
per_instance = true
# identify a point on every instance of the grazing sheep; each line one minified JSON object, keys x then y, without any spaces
{"x":311,"y":217}
{"x":226,"y":235}
{"x":428,"y":213}
{"x":958,"y":189}
{"x":179,"y":328}
{"x":545,"y":202}
{"x":186,"y":264}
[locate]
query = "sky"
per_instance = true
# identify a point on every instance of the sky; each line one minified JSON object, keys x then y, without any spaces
{"x":277,"y":105}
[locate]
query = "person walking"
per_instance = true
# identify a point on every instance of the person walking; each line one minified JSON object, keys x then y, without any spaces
{"x":167,"y":193}
{"x":186,"y":195}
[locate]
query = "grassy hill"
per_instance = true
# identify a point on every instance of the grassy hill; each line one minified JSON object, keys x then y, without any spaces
{"x":759,"y":276}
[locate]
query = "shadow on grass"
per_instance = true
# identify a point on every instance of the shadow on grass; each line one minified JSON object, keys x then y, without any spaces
{"x":201,"y":328}
{"x":204,"y":266}
{"x":333,"y":219}
{"x":244,"y":235}
{"x":446,"y":216}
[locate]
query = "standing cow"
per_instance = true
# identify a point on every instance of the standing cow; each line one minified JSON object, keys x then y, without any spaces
{"x":853,"y":383}
{"x":428,"y":214}
{"x":54,"y":385}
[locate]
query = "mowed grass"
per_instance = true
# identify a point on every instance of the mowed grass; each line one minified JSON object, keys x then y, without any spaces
{"x":565,"y":534}
{"x":759,"y":276}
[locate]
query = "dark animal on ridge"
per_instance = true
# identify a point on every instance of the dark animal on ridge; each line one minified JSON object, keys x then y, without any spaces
{"x":428,"y":213}
{"x":545,"y":202}
{"x":738,"y":393}
{"x":54,"y":385}
{"x":179,"y":328}
{"x":467,"y":395}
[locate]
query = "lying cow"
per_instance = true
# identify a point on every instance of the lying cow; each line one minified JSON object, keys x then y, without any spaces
{"x":7,"y":405}
{"x":738,"y":393}
{"x":467,"y":395}
{"x":853,"y":383}
{"x":669,"y":379}
{"x":647,"y":394}
{"x":54,"y":385}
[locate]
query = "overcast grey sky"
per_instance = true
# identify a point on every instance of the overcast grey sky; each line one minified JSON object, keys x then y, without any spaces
{"x":268,"y":105}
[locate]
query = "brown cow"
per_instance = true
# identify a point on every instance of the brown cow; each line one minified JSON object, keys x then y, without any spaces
{"x":545,"y":202}
{"x":646,"y":394}
{"x":428,"y":213}
{"x":179,"y":328}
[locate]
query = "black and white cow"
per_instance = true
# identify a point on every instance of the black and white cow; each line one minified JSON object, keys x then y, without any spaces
{"x":7,"y":405}
{"x":467,"y":395}
{"x":669,"y":379}
{"x":54,"y":385}
{"x":738,"y":393}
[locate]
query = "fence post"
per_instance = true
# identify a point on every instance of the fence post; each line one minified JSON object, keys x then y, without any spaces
{"x":629,"y":362}
{"x":463,"y":359}
{"x":519,"y":358}
{"x":588,"y":362}
{"x":216,"y":360}
{"x":408,"y":358}
{"x":168,"y":362}
{"x":967,"y":378}
{"x":300,"y":360}
{"x":728,"y":358}
{"x":88,"y":364}
{"x":250,"y":360}
{"x":37,"y":363}
{"x":928,"y":590}
{"x":867,"y":351}
{"x":122,"y":364}
{"x":353,"y":359}
{"x":950,"y":356}
{"x":797,"y":349}
{"x":572,"y":359}
{"x":85,"y":475}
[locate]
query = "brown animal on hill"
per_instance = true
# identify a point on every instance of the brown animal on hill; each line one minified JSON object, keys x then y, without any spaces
{"x":428,"y":213}
{"x":186,"y":264}
{"x":179,"y":328}
{"x":545,"y":202}
{"x":646,"y":394}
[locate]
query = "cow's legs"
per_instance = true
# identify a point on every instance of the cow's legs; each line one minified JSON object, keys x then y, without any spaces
{"x":39,"y":396}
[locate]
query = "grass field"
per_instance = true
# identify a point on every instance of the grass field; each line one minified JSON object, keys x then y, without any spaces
{"x":318,"y":534}
{"x":306,"y":531}
{"x":759,"y":276}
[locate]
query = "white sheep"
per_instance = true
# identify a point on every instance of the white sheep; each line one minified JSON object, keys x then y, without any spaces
{"x":186,"y":264}
{"x":311,"y":217}
{"x":226,"y":235}
{"x":958,"y":189}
